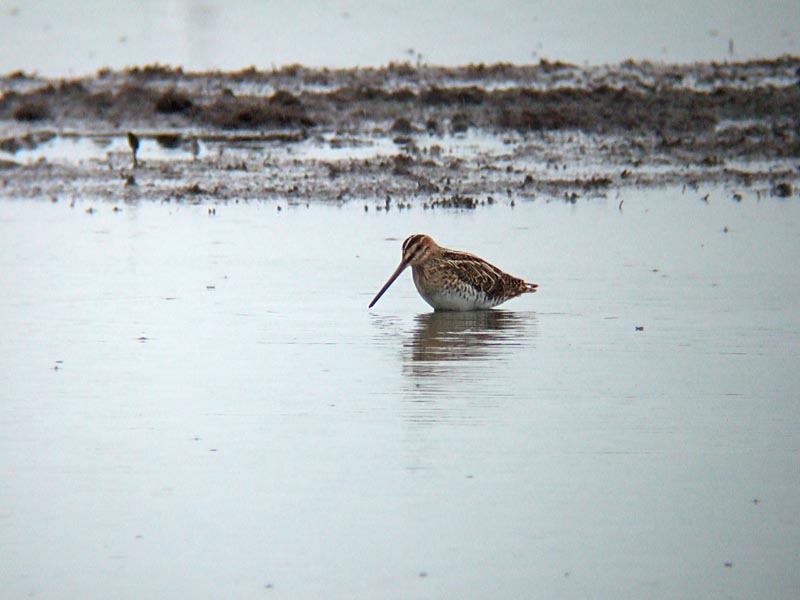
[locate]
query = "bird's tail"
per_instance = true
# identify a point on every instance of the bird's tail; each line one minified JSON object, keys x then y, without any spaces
{"x":530,"y":288}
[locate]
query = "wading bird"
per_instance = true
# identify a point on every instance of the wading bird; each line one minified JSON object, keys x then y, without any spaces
{"x":452,"y":280}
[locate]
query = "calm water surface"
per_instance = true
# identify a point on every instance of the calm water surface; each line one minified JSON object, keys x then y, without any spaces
{"x":203,"y":406}
{"x":59,"y":39}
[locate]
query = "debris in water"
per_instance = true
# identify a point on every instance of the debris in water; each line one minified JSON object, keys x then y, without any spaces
{"x":782,"y":189}
{"x":133,"y":142}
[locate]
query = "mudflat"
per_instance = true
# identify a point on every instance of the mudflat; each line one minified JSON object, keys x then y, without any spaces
{"x":402,"y":134}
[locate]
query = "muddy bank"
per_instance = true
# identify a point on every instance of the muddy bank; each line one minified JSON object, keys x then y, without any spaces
{"x":440,"y":136}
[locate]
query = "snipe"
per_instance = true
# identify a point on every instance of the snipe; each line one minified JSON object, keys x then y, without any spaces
{"x":452,"y":280}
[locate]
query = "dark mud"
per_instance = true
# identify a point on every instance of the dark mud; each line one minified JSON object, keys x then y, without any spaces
{"x":441,"y":136}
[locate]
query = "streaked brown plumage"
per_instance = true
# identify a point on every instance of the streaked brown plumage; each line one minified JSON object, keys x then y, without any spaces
{"x":452,"y":280}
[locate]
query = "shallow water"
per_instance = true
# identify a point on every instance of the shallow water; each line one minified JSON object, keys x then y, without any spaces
{"x":114,"y":149}
{"x":203,"y":406}
{"x":58,"y":39}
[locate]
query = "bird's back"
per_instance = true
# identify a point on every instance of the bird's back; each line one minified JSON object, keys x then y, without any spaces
{"x":455,"y":280}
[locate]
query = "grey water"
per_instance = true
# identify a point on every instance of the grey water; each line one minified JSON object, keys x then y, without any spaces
{"x":198,"y":405}
{"x":60,"y":39}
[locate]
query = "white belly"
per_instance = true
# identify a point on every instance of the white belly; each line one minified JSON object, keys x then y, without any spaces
{"x":464,"y":298}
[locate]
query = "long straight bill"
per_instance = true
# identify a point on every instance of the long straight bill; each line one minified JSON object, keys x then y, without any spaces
{"x":400,"y":268}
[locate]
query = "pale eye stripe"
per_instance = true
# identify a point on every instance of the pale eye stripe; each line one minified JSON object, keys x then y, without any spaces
{"x":410,"y":241}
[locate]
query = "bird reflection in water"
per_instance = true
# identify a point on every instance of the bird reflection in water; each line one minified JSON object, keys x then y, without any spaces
{"x":455,"y":370}
{"x":440,"y":338}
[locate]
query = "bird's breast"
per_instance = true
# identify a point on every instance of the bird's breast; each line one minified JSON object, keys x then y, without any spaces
{"x":450,"y":293}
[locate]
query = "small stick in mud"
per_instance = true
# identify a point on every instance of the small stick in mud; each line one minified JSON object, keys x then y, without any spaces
{"x":133,"y":142}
